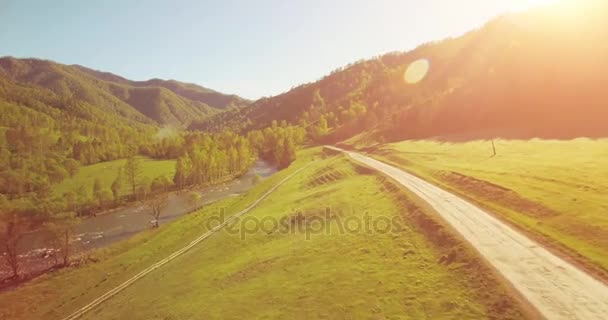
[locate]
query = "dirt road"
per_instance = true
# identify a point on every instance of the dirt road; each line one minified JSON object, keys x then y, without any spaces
{"x":80,"y":312}
{"x":556,"y":288}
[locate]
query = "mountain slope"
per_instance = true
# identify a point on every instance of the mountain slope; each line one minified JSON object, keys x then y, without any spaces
{"x":189,"y":91}
{"x":541,"y":73}
{"x":153,"y":102}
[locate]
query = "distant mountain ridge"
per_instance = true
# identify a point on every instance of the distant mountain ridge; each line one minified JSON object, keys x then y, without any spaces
{"x":191,"y":91}
{"x":159,"y":102}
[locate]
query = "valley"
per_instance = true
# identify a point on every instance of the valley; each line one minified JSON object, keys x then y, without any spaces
{"x":463,"y":176}
{"x":221,"y":274}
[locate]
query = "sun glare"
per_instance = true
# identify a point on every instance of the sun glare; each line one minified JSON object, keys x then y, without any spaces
{"x":416,"y":71}
{"x":521,"y":5}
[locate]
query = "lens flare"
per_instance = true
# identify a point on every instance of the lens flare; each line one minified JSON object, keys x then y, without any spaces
{"x":416,"y":71}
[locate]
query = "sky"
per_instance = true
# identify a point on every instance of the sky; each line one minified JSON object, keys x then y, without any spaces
{"x":250,"y":48}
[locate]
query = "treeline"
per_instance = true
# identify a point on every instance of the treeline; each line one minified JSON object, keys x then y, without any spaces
{"x":277,"y":144}
{"x":207,"y":158}
{"x":202,"y":159}
{"x":39,"y":148}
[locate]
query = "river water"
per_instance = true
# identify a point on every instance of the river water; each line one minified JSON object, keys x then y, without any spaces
{"x":107,"y":228}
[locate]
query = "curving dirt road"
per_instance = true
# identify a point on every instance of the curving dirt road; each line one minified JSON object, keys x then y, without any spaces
{"x":555,"y":287}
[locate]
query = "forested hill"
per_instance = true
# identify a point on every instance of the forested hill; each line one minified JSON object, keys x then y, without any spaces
{"x":85,"y":93}
{"x":55,"y":118}
{"x":190,"y":91}
{"x":542,"y":73}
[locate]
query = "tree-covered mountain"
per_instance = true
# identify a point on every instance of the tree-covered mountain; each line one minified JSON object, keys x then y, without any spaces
{"x":54,"y":118}
{"x":541,"y":73}
{"x":150,"y":102}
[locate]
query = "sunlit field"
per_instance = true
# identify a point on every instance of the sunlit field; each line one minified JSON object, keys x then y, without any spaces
{"x":555,"y":190}
{"x":106,"y":173}
{"x":283,"y":274}
{"x":390,"y":160}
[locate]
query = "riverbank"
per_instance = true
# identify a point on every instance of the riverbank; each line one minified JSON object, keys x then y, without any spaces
{"x":118,"y":224}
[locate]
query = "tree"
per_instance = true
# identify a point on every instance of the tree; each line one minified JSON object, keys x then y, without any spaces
{"x":60,"y":228}
{"x":289,"y":153}
{"x":143,"y":189}
{"x":11,"y":234}
{"x":13,"y":226}
{"x":320,"y":129}
{"x":183,"y":170}
{"x":70,"y":199}
{"x":83,"y":196}
{"x":117,"y":186}
{"x":72,"y":166}
{"x":161,"y":184}
{"x":56,"y":173}
{"x":157,"y":205}
{"x":97,"y":190}
{"x":132,"y":172}
{"x":194,"y":199}
{"x":318,"y":103}
{"x":105,"y":196}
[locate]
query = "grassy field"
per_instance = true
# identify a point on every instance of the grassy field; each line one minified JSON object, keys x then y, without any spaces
{"x":555,"y":190}
{"x":106,"y":172}
{"x":270,"y":274}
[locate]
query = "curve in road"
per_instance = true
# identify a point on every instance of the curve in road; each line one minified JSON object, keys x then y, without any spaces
{"x":556,"y":288}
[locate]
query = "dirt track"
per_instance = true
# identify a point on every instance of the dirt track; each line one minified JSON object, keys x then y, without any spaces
{"x":101,"y":299}
{"x":557,"y":289}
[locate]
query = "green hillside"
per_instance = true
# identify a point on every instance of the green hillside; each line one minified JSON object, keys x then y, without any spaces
{"x":154,"y":102}
{"x":553,"y":190}
{"x":535,"y":74}
{"x":276,"y":274}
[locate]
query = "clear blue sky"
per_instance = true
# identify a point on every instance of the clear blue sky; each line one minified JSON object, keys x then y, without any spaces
{"x":252,"y":48}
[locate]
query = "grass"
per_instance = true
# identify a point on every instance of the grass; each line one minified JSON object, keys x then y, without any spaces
{"x":269,"y":274}
{"x":554,"y":190}
{"x":106,"y":172}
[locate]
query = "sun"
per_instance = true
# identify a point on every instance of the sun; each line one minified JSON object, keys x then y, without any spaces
{"x":521,"y":5}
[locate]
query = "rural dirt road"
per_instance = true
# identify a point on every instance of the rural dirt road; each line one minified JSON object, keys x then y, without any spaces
{"x":80,"y":312}
{"x":557,"y":289}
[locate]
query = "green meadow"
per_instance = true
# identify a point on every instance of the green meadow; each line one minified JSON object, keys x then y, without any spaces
{"x":272,"y":273}
{"x":556,"y":191}
{"x":106,"y":172}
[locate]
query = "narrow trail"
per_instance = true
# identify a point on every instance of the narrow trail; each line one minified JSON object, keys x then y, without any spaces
{"x":78,"y":313}
{"x":556,"y":288}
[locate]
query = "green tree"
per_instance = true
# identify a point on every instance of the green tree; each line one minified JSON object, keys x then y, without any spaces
{"x":320,"y":129}
{"x":72,"y":166}
{"x":96,"y":188}
{"x":143,"y":189}
{"x":318,"y":103}
{"x":194,"y":199}
{"x":132,"y":172}
{"x":105,"y":196}
{"x":287,"y":153}
{"x":161,"y":184}
{"x":183,"y":170}
{"x":157,"y":205}
{"x":71,"y":200}
{"x":60,"y":227}
{"x":117,"y":186}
